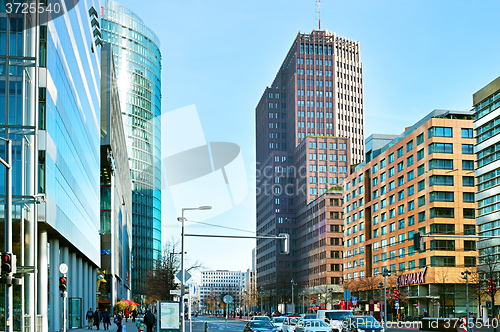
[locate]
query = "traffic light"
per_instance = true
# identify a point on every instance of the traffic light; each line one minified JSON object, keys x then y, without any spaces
{"x":284,"y":244}
{"x":492,"y":286}
{"x":63,"y":284}
{"x":8,"y":263}
{"x":396,"y":294}
{"x":417,"y":241}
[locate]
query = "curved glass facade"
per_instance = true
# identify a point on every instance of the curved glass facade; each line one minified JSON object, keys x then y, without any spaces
{"x":138,"y":68}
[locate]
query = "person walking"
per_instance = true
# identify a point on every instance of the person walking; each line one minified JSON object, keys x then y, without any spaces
{"x":97,"y":318}
{"x":149,"y":320}
{"x":127,"y":313}
{"x":90,"y":319}
{"x":118,"y":321}
{"x":134,"y":315}
{"x":106,"y":319}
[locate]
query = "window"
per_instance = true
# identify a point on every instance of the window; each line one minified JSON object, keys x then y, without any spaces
{"x":441,"y":180}
{"x":443,"y":261}
{"x":375,"y":233}
{"x":411,"y":205}
{"x":392,"y":213}
{"x":440,"y":132}
{"x":409,"y":146}
{"x":409,"y":161}
{"x":401,"y":252}
{"x":392,"y":199}
{"x":375,"y":169}
{"x":411,"y":220}
{"x":411,"y":264}
{"x":401,"y":195}
{"x":421,"y":201}
{"x":375,"y":259}
{"x":411,"y":190}
{"x":382,"y":177}
{"x":383,"y":203}
{"x":400,"y":152}
{"x":467,"y":165}
{"x":391,"y":158}
{"x":401,"y":224}
{"x":442,"y":229}
{"x":446,"y":245}
{"x":420,"y":139}
{"x":375,"y":181}
{"x":421,"y":216}
{"x":375,"y":207}
{"x":375,"y":194}
{"x":420,"y":170}
{"x":383,"y":217}
{"x":469,"y":214}
{"x":422,"y":263}
{"x":392,"y":254}
{"x":467,"y":149}
{"x":469,"y":261}
{"x":391,"y":171}
{"x":383,"y":230}
{"x":468,"y":197}
{"x":384,"y":243}
{"x":440,"y":148}
{"x":391,"y":186}
{"x":401,"y":166}
{"x":441,"y":212}
{"x":401,"y":209}
{"x":402,"y":266}
{"x":420,"y":154}
{"x":383,"y":190}
{"x":401,"y":181}
{"x":421,"y":185}
{"x":467,"y":133}
{"x":375,"y":220}
{"x":382,"y":163}
{"x":392,"y":227}
{"x":441,"y":196}
{"x":440,"y":164}
{"x":410,"y":176}
{"x":468,"y":181}
{"x":469,"y":245}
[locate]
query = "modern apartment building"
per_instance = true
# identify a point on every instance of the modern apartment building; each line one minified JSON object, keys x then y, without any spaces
{"x":309,"y":129}
{"x":138,"y":68}
{"x":487,"y":128}
{"x":116,"y":196}
{"x":50,"y":95}
{"x":215,"y":284}
{"x":421,"y":180}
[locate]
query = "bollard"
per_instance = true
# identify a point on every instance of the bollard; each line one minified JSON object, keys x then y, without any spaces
{"x":206,"y":326}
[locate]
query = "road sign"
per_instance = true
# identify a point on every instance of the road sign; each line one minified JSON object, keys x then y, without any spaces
{"x":175,"y":292}
{"x":63,"y":268}
{"x":186,"y":275}
{"x":354,"y":300}
{"x":228,"y":299}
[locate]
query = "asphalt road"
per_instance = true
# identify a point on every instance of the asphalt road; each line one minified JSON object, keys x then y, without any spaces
{"x":216,"y":324}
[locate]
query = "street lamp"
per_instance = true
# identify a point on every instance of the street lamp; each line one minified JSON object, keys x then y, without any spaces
{"x":182,"y":220}
{"x":385,"y":273}
{"x":293,"y":304}
{"x":466,"y":275}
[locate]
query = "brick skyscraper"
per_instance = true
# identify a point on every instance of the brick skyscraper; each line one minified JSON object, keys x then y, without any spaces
{"x":309,"y":130}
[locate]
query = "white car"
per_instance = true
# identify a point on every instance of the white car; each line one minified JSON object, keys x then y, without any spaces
{"x":264,"y":318}
{"x":334,"y":318}
{"x":278,"y":322}
{"x":289,"y":324}
{"x":312,"y":325}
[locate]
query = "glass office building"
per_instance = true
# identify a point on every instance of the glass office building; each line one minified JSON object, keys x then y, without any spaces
{"x":50,"y":104}
{"x":138,"y":67}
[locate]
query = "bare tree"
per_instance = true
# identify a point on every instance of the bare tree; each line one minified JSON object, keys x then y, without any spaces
{"x":487,"y":270}
{"x":161,"y":279}
{"x":446,"y":289}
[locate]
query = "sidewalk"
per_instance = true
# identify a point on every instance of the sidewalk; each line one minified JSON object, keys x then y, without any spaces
{"x":130,"y":327}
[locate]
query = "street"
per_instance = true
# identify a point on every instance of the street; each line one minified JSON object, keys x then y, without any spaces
{"x":216,"y":324}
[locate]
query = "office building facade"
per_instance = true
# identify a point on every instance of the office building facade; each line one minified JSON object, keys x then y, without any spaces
{"x":116,"y":195}
{"x":420,"y":181}
{"x":487,"y":147}
{"x":309,"y":129}
{"x":215,"y":284}
{"x":52,"y":103}
{"x":138,"y":69}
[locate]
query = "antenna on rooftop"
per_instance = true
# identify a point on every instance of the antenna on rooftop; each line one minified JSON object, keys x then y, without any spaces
{"x":319,"y":14}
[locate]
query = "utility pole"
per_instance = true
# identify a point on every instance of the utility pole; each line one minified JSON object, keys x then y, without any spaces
{"x":465,"y":275}
{"x":385,"y":273}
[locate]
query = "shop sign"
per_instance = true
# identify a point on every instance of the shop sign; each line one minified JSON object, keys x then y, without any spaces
{"x":411,"y":278}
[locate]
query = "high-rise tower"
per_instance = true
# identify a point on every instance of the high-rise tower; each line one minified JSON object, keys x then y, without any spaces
{"x":309,"y":130}
{"x":138,"y":70}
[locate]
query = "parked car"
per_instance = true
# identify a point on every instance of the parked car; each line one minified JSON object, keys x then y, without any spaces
{"x":278,"y":322}
{"x":312,"y":325}
{"x":290,"y":323}
{"x":259,"y":326}
{"x":264,"y":318}
{"x":362,"y":324}
{"x":334,"y":318}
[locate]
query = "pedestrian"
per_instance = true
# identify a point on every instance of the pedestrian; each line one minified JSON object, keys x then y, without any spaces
{"x":118,"y":321}
{"x":134,"y":314}
{"x":90,"y":319}
{"x":141,"y":327}
{"x":106,"y":319}
{"x":97,"y":318}
{"x":149,"y":320}
{"x":127,"y":313}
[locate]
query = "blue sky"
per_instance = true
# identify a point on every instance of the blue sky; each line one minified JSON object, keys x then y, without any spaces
{"x":220,"y":55}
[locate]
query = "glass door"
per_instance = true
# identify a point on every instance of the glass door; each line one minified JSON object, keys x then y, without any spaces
{"x":74,"y":313}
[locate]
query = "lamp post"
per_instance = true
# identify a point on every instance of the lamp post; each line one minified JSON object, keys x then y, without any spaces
{"x":385,"y":273}
{"x":293,"y":304}
{"x":465,"y":275}
{"x":381,"y":287}
{"x":183,"y":281}
{"x":331,"y":296}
